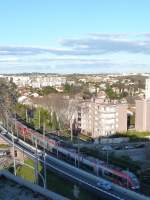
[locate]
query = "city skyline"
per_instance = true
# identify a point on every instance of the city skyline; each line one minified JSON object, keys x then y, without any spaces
{"x":77,"y":37}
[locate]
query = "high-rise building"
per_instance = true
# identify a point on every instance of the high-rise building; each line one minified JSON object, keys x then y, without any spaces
{"x":142,"y":119}
{"x":100,"y":117}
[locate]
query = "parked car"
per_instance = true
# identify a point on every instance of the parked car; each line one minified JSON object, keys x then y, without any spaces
{"x":117,"y":147}
{"x":128,"y":147}
{"x":139,"y":145}
{"x":104,"y":185}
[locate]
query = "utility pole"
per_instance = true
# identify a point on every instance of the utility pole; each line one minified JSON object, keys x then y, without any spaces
{"x":75,"y":161}
{"x":57,"y":148}
{"x":78,"y":152}
{"x":71,"y":128}
{"x":39,"y":119}
{"x":78,"y":138}
{"x":7,"y":121}
{"x":36,"y":162}
{"x":14,"y":161}
{"x":26,"y":115}
{"x":107,"y":159}
{"x":16,"y":130}
{"x":45,"y":174}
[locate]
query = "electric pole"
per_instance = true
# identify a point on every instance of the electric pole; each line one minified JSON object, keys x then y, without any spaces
{"x":14,"y":161}
{"x":36,"y":162}
{"x":45,"y":174}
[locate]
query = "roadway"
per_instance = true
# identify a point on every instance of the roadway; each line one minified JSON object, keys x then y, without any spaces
{"x":72,"y":173}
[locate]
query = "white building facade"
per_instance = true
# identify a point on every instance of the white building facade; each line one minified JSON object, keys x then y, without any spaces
{"x":102,"y":118}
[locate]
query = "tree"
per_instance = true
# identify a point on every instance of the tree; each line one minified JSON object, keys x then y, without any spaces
{"x":55,"y":123}
{"x":42,"y":116}
{"x":110,"y":93}
{"x":47,"y":90}
{"x":21,"y":110}
{"x":67,"y":88}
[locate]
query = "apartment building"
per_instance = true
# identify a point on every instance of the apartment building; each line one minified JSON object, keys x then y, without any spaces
{"x":100,"y":117}
{"x":38,"y":81}
{"x":142,"y":119}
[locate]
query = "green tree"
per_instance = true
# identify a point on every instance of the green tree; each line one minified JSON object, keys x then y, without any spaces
{"x":47,"y":90}
{"x":67,"y":88}
{"x":42,"y":116}
{"x":110,"y":93}
{"x":21,"y":110}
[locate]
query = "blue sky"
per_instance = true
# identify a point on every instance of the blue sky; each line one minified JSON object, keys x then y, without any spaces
{"x":67,"y":36}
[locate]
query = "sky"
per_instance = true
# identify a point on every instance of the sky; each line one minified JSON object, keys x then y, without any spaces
{"x":74,"y":36}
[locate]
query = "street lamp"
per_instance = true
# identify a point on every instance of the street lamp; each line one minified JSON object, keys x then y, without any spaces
{"x":77,"y":129}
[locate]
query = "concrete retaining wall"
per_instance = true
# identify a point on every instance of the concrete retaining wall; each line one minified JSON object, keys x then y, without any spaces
{"x":114,"y":140}
{"x":32,"y":186}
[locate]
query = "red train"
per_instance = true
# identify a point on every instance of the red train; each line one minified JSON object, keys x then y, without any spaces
{"x":118,"y":176}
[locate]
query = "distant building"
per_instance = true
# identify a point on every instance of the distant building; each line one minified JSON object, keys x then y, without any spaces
{"x":38,"y":81}
{"x":142,"y":119}
{"x":25,"y":100}
{"x":22,"y":99}
{"x":100,"y":117}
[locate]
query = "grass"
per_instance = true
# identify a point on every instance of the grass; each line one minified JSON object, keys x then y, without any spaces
{"x":4,"y":146}
{"x":138,"y":134}
{"x":133,"y":135}
{"x":26,"y":172}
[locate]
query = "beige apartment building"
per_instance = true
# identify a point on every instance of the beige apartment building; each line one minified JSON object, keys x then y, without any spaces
{"x":142,"y":119}
{"x":100,"y":117}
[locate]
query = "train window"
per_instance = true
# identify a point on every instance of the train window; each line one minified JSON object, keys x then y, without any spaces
{"x":107,"y":173}
{"x":115,"y":178}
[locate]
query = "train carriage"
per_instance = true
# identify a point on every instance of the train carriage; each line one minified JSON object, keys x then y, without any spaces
{"x":118,"y":176}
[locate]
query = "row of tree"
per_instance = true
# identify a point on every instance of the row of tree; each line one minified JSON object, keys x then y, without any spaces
{"x":37,"y":117}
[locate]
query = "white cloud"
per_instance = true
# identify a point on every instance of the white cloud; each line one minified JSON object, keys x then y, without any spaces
{"x":96,"y":53}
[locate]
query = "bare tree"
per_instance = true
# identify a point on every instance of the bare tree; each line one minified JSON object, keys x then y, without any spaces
{"x":64,"y":106}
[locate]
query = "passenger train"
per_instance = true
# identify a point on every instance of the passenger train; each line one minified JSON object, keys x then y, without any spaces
{"x":123,"y":178}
